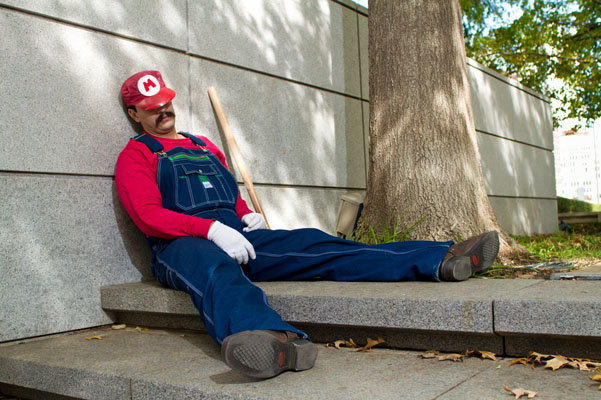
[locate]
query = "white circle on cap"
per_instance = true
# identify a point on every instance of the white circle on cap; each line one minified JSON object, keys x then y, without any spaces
{"x":148,"y":85}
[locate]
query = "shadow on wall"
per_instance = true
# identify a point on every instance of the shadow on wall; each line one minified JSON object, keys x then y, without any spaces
{"x":288,"y":133}
{"x":508,"y":112}
{"x":511,"y":168}
{"x":60,"y":91}
{"x":134,"y":240}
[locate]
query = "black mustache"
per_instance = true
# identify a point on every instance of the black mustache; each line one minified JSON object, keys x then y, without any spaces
{"x":163,"y":115}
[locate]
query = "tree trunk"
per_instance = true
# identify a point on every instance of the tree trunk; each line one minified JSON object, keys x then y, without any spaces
{"x":423,"y":154}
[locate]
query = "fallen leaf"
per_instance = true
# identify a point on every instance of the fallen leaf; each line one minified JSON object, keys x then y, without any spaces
{"x":141,"y":329}
{"x":538,"y":356}
{"x":118,"y":327}
{"x":451,"y":356}
{"x":488,"y":354}
{"x":97,"y":337}
{"x":523,"y":360}
{"x":483,"y":354}
{"x":593,"y":364}
{"x":556,"y":362}
{"x":343,"y":343}
{"x":521,"y":392}
{"x":429,"y":354}
{"x":583,"y":364}
{"x":371,"y":343}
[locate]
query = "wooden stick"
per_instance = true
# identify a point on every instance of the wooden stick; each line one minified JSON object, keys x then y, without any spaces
{"x":233,"y":146}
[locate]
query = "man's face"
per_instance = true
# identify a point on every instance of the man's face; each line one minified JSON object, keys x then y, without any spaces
{"x":159,"y":121}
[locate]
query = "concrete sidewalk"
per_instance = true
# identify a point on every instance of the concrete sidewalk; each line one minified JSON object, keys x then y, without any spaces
{"x":172,"y":364}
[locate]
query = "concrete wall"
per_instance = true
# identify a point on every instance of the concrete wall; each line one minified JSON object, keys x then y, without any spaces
{"x":515,"y":136}
{"x":292,"y":76}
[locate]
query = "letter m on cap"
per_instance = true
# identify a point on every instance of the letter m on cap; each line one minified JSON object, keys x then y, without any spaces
{"x":148,"y":84}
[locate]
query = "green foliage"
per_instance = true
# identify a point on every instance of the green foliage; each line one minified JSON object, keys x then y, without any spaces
{"x":582,"y":247}
{"x":569,"y":205}
{"x":564,"y":246}
{"x":550,"y":39}
{"x":383,"y":233}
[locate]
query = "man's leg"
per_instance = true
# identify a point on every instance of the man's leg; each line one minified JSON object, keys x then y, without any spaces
{"x":304,"y":254}
{"x":254,"y":338}
{"x":225,"y":298}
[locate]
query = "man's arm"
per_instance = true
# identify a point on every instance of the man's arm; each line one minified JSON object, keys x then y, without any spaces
{"x":135,"y":179}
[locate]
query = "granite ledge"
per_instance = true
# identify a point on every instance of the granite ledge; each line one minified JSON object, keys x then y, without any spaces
{"x":490,"y":307}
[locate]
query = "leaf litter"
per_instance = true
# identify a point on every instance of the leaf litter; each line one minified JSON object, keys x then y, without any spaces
{"x":456,"y":356}
{"x":519,"y":392}
{"x":555,"y":362}
{"x":451,"y":356}
{"x":429,"y":354}
{"x":368,"y":348}
{"x":550,"y":361}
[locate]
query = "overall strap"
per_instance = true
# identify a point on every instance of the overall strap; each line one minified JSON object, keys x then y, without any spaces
{"x":154,"y":145}
{"x":197,"y":141}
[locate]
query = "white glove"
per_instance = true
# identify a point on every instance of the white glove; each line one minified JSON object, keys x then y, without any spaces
{"x":253,"y":221}
{"x":232,"y":242}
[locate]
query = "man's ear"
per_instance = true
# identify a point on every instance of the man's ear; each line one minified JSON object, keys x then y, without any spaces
{"x":133,"y":114}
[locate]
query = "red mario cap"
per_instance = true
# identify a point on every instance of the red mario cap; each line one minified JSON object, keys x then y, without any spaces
{"x":146,"y":90}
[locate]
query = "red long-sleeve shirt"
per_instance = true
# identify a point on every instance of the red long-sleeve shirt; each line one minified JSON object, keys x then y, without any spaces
{"x":136,"y":182}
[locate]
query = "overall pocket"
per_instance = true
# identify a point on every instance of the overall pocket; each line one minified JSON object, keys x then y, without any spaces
{"x":201,"y":184}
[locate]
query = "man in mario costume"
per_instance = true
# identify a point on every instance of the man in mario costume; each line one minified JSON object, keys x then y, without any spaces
{"x":206,"y":242}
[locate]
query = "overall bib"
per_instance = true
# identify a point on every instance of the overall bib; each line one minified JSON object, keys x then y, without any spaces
{"x":194,"y":182}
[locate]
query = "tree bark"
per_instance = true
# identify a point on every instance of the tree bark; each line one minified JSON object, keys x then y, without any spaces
{"x":423,"y":154}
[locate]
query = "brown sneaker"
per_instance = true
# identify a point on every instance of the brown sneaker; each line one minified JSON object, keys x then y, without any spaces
{"x":470,"y":256}
{"x":265,"y":354}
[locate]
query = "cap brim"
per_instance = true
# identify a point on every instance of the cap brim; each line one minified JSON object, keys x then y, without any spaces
{"x":164,"y":96}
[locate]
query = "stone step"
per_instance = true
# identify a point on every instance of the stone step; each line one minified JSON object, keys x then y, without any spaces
{"x":510,"y":317}
{"x":168,"y":364}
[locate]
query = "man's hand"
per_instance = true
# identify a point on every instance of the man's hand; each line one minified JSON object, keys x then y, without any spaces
{"x":253,"y":221}
{"x":232,"y":242}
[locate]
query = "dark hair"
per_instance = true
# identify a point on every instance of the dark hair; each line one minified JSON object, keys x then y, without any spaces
{"x":135,"y":125}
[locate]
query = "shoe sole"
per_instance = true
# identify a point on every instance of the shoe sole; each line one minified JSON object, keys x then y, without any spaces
{"x":261,"y":355}
{"x":478,"y":258}
{"x":484,"y":252}
{"x":462,"y":269}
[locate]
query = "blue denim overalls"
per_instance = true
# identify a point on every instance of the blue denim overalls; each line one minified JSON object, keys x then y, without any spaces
{"x":194,"y":182}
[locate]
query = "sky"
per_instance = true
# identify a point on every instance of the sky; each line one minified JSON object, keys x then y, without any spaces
{"x":361,"y":2}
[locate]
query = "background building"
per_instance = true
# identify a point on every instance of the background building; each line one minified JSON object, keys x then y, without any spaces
{"x":578,"y":163}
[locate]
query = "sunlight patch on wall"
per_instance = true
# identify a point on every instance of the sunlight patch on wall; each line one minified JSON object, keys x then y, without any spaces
{"x":172,"y":20}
